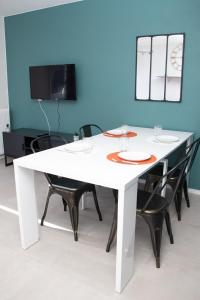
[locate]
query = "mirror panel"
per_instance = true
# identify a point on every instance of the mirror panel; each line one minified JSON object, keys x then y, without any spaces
{"x":143,"y":67}
{"x":174,"y":67}
{"x":159,"y":67}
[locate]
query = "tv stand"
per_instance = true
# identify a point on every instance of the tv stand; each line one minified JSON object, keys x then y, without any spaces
{"x":17,"y":142}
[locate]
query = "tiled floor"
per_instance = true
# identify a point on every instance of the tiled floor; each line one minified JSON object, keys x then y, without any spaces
{"x":58,"y":268}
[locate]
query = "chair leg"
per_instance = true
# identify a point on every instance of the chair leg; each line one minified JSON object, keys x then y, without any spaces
{"x":178,"y":201}
{"x":185,"y":189}
{"x":50,"y":192}
{"x":64,"y":204}
{"x":74,"y":216}
{"x":169,"y":227}
{"x":96,"y":203}
{"x":158,"y":236}
{"x":155,"y":224}
{"x":115,"y":194}
{"x":113,"y":229}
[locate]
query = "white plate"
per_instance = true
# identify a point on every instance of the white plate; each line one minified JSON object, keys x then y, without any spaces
{"x":115,"y":131}
{"x":80,"y":146}
{"x":135,"y":156}
{"x":167,"y":138}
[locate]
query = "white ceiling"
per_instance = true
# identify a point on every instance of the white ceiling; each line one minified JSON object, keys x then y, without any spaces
{"x":13,"y":7}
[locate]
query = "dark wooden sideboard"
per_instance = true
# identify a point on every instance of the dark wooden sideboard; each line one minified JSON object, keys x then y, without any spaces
{"x":17,"y":142}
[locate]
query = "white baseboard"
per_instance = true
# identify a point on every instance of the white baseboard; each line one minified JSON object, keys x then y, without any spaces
{"x":194,"y":192}
{"x":191,"y":191}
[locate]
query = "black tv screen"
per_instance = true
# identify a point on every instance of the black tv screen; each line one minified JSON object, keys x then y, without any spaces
{"x":53,"y":82}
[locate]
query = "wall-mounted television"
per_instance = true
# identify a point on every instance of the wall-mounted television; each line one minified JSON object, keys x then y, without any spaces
{"x":53,"y":82}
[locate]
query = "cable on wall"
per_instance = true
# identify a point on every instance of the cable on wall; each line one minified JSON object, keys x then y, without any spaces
{"x":58,"y":114}
{"x":45,"y":115}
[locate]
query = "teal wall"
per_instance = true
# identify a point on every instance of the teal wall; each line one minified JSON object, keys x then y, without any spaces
{"x":99,"y":37}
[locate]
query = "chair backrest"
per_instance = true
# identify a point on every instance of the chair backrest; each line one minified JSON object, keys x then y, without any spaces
{"x":192,"y":151}
{"x":181,"y":166}
{"x":89,"y":130}
{"x":46,"y":141}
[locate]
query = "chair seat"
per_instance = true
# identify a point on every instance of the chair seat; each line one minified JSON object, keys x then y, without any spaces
{"x":67,"y":183}
{"x":157,"y":203}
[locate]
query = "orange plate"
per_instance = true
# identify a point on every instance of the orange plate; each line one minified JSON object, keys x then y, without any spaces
{"x":129,"y":134}
{"x":115,"y":158}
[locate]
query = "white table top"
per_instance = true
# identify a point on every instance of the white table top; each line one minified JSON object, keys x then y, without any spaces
{"x":94,"y":167}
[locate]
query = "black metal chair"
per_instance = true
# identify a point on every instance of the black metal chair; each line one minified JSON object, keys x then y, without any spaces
{"x":89,"y":130}
{"x":70,"y":190}
{"x":153,"y":176}
{"x":153,"y":208}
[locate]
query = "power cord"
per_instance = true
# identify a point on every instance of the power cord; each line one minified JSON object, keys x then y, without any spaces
{"x":45,"y":115}
{"x":58,"y":114}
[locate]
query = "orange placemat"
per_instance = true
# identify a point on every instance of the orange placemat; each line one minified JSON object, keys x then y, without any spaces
{"x":128,"y":134}
{"x":115,"y":158}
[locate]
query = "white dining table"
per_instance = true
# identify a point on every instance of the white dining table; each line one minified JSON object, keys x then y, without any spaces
{"x":94,"y":167}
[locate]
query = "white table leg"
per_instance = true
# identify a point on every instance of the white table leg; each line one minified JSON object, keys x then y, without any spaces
{"x":127,"y":199}
{"x":189,"y":142}
{"x":27,"y":206}
{"x":83,"y":202}
{"x":165,"y":169}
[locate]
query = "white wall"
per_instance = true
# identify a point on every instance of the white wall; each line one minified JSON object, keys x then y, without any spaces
{"x":3,"y":68}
